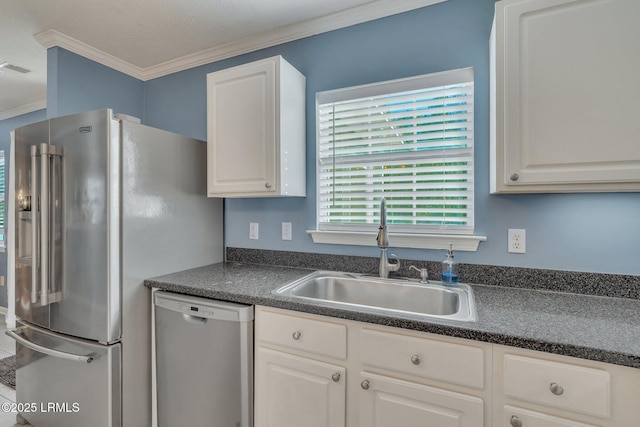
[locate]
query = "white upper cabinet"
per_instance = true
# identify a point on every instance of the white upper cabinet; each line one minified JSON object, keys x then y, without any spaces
{"x":565,"y":115}
{"x":256,"y":130}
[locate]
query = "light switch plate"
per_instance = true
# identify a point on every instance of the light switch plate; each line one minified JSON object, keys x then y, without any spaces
{"x":253,"y":231}
{"x":286,"y":231}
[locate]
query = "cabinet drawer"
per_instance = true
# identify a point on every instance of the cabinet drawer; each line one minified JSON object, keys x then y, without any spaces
{"x":300,"y":333}
{"x":521,"y":417}
{"x":561,"y":385}
{"x":453,"y":363}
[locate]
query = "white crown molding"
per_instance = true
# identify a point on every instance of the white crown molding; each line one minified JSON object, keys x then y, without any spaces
{"x":347,"y":18}
{"x":51,"y":38}
{"x":23,"y":109}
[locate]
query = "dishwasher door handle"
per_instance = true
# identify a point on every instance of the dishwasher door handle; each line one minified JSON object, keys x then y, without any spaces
{"x":196,"y":320}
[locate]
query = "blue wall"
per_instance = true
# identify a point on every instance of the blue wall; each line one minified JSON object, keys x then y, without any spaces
{"x":581,"y":232}
{"x":76,"y":84}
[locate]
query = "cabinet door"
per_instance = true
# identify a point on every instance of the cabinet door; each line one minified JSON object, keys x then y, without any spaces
{"x":241,"y":129}
{"x":389,"y":402}
{"x":564,"y":96}
{"x":292,"y":391}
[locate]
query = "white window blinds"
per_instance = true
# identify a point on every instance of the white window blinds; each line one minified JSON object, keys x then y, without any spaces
{"x":409,"y":141}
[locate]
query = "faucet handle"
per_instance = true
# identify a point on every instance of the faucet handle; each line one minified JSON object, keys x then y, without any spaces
{"x":396,"y":266}
{"x":424,"y":273}
{"x":382,"y":238}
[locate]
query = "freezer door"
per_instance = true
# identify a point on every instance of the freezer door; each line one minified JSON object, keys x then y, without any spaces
{"x":56,"y":387}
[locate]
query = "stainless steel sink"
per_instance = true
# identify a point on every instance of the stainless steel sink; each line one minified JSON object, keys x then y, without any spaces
{"x":403,"y":298}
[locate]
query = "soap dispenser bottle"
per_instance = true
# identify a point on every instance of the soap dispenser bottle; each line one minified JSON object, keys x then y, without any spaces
{"x":449,"y":269}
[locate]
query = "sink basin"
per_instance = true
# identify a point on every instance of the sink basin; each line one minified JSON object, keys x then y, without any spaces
{"x":403,"y":298}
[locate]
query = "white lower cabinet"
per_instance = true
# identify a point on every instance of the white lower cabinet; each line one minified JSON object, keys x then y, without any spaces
{"x":318,"y":371}
{"x":365,"y":375}
{"x":435,"y":359}
{"x":297,"y":391}
{"x":536,"y":389}
{"x":558,"y":384}
{"x":390,"y":402}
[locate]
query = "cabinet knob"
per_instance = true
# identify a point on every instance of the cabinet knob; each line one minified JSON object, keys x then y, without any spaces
{"x":365,"y":384}
{"x":267,"y":185}
{"x":514,"y":177}
{"x":335,"y":377}
{"x":556,"y":389}
{"x":296,"y":335}
{"x":515,"y":421}
{"x":415,"y":359}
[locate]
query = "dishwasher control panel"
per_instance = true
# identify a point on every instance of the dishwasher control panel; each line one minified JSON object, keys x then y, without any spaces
{"x":203,"y":307}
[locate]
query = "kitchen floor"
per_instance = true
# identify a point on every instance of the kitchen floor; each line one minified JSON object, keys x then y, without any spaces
{"x":7,"y":394}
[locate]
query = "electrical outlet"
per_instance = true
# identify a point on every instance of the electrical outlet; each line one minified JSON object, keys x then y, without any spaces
{"x":517,"y":241}
{"x":286,"y":231}
{"x":253,"y":231}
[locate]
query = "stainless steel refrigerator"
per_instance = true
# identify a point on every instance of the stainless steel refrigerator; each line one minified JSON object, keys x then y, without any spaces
{"x":101,"y":203}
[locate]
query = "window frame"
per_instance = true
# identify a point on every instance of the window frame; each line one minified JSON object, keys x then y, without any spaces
{"x":411,"y":237}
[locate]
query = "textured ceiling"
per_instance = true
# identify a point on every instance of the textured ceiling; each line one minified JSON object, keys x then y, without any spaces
{"x":143,"y":33}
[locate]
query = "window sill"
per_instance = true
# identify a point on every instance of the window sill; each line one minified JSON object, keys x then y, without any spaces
{"x":398,"y":240}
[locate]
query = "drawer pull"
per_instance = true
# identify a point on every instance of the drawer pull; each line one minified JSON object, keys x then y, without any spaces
{"x":415,"y":359}
{"x":335,"y":377}
{"x":556,"y":389}
{"x":515,"y":421}
{"x":296,"y":335}
{"x":365,"y":385}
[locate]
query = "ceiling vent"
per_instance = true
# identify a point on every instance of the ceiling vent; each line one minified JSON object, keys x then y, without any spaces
{"x":8,"y":66}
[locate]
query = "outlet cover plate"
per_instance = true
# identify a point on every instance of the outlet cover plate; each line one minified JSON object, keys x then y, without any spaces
{"x":517,"y":241}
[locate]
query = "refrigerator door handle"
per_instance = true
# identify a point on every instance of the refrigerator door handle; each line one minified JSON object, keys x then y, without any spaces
{"x":44,"y":224}
{"x":35,"y":230}
{"x":40,"y":222}
{"x":14,"y":333}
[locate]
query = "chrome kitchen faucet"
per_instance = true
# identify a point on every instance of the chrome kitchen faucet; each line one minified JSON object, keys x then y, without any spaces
{"x":383,"y":244}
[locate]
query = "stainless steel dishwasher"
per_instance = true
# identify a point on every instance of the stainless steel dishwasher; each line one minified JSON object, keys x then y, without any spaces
{"x":204,"y":361}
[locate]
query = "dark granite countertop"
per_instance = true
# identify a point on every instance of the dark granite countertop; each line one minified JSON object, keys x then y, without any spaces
{"x":590,"y":327}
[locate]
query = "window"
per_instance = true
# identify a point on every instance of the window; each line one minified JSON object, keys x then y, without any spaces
{"x":409,"y":141}
{"x":2,"y":202}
